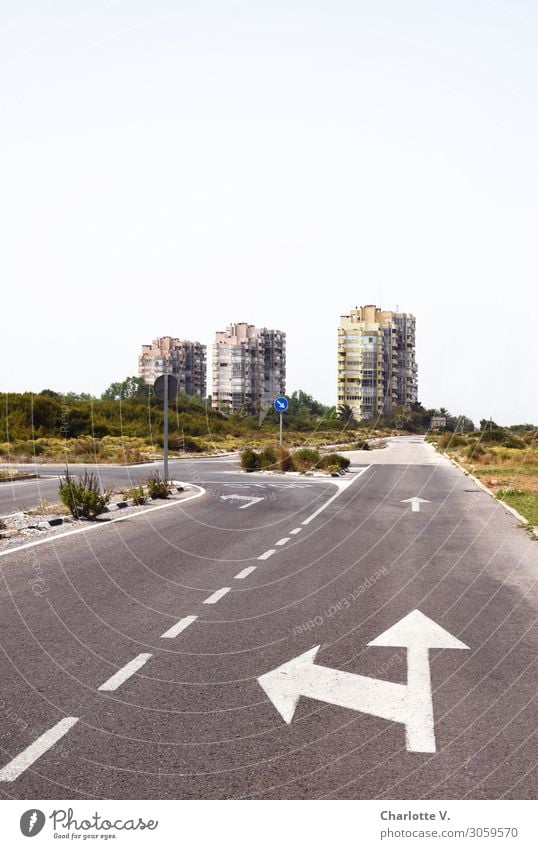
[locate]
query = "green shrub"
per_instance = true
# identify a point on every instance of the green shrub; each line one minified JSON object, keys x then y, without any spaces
{"x":27,"y":449}
{"x":249,"y":460}
{"x":502,"y":437}
{"x":3,"y":525}
{"x":136,"y":493}
{"x":363,"y":446}
{"x":305,"y":459}
{"x":180,"y":442}
{"x":333,"y":461}
{"x":83,"y":497}
{"x":157,"y":487}
{"x":268,"y":458}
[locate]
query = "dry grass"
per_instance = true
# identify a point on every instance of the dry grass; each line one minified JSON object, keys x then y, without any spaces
{"x":43,"y":508}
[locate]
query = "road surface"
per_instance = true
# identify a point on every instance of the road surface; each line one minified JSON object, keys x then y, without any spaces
{"x":175,"y":655}
{"x":22,"y":494}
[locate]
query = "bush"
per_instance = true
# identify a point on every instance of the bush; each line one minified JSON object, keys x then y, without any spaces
{"x":3,"y":525}
{"x":136,"y":493}
{"x":83,"y":497}
{"x":268,"y":458}
{"x":502,"y":437}
{"x":285,"y":460}
{"x":178,"y":442}
{"x":250,"y":460}
{"x":157,"y":487}
{"x":452,"y":440}
{"x":304,"y":459}
{"x":333,"y":461}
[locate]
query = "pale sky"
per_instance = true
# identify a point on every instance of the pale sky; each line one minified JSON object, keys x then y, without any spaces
{"x":169,"y":167}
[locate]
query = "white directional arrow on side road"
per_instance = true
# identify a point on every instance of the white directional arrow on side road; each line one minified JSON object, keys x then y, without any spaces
{"x":250,"y":498}
{"x":410,"y":704}
{"x":415,"y":503}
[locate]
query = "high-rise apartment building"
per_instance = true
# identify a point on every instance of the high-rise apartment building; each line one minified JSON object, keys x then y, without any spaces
{"x":376,"y":360}
{"x":249,"y":367}
{"x":185,"y":360}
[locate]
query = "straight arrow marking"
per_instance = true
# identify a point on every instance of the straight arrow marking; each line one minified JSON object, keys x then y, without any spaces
{"x":415,"y":503}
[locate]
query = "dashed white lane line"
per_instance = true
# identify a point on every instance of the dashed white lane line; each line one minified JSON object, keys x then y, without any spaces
{"x":19,"y":764}
{"x":125,"y":672}
{"x":217,"y":595}
{"x":283,"y":541}
{"x":342,"y":485}
{"x":267,"y":554}
{"x":296,"y":531}
{"x":178,"y":627}
{"x":244,"y":573}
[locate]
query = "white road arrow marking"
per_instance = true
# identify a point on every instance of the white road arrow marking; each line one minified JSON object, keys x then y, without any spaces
{"x":415,"y":503}
{"x":409,"y":704}
{"x":250,"y":498}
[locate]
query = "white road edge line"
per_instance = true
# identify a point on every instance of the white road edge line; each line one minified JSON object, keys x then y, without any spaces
{"x":342,"y":485}
{"x":296,"y":531}
{"x":104,"y":524}
{"x":267,"y":554}
{"x":28,"y":756}
{"x":217,"y":595}
{"x":283,"y":541}
{"x":125,"y":672}
{"x":178,"y":627}
{"x":244,"y":573}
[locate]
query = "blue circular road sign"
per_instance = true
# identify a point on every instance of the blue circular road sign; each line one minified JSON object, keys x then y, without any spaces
{"x":281,"y":404}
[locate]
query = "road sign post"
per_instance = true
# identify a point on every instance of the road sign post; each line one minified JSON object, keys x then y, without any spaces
{"x":165,"y":434}
{"x":280,"y":404}
{"x":166,"y":386}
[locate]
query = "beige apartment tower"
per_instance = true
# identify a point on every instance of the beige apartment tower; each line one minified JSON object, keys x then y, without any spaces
{"x":185,"y":360}
{"x":249,"y":367}
{"x":376,"y":360}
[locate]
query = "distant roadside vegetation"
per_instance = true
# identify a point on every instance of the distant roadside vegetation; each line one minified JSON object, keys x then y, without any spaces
{"x":125,"y":425}
{"x":504,"y":459}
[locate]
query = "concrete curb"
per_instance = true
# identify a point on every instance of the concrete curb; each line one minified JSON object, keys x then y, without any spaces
{"x":521,"y":519}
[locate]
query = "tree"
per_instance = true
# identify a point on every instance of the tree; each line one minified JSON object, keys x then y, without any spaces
{"x":131,"y":387}
{"x":345,"y":414}
{"x":459,"y":424}
{"x":487,"y":424}
{"x":303,"y":404}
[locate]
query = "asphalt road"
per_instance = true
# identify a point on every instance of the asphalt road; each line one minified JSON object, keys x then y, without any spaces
{"x":20,"y":494}
{"x":442,"y":707}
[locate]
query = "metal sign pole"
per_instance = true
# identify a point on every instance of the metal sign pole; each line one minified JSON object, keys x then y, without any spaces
{"x":165,"y":440}
{"x":280,"y":404}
